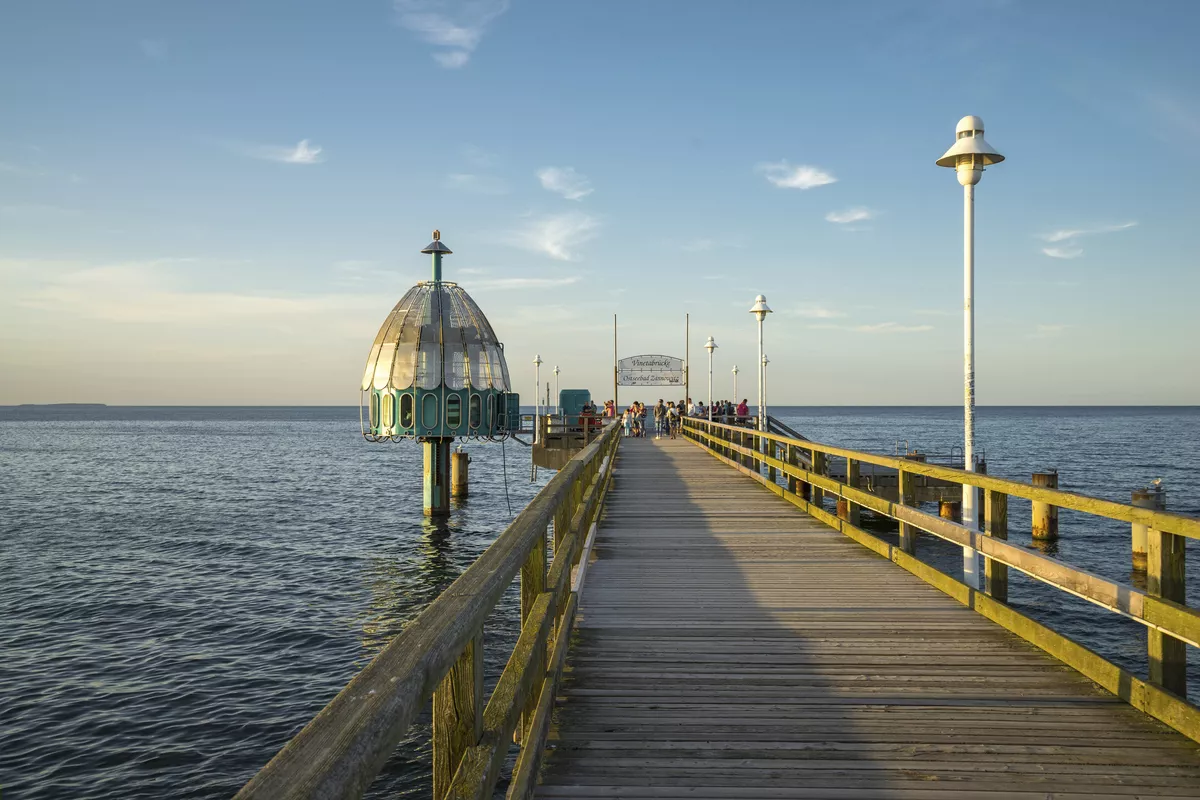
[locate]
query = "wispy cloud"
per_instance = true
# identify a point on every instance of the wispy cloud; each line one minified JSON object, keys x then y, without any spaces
{"x":476,"y":184}
{"x":1069,"y":247}
{"x":850,"y":215}
{"x":798,"y":176}
{"x":565,"y":181}
{"x":875,"y":328}
{"x":1063,"y":252}
{"x":1064,"y":234}
{"x":937,"y":312}
{"x":559,"y":236}
{"x":817,"y":312}
{"x":153,"y":49}
{"x":457,"y":26}
{"x":524,"y":283}
{"x":1048,"y":331}
{"x":302,"y":153}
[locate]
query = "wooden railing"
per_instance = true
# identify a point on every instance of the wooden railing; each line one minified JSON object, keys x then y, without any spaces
{"x":439,"y":655}
{"x":1171,"y":625}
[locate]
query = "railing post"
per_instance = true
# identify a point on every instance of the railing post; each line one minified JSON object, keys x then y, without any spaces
{"x":791,"y":460}
{"x":457,"y":714}
{"x":533,"y":583}
{"x":770,"y":449}
{"x":818,"y":467}
{"x":908,"y":535}
{"x":1165,"y":563}
{"x":853,"y":510}
{"x":1045,"y":516}
{"x":996,"y":574}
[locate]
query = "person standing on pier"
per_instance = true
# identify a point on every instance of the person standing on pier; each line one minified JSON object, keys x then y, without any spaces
{"x":660,"y":419}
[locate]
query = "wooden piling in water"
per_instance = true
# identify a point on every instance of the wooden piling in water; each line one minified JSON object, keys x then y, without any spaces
{"x":459,"y":473}
{"x":1045,"y":516}
{"x":950,"y":509}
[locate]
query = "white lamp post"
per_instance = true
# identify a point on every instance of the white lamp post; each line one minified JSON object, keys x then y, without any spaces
{"x":710,"y":345}
{"x":735,"y":372}
{"x":557,"y":394}
{"x":969,"y":155}
{"x":537,"y":400}
{"x":765,"y":361}
{"x":761,"y":310}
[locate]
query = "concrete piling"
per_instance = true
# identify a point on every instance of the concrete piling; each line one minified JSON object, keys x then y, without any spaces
{"x":1045,"y":516}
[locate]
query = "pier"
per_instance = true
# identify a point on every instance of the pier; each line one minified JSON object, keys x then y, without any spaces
{"x":708,"y":617}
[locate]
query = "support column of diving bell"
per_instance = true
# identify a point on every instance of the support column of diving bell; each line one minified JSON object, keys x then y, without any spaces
{"x":436,"y":484}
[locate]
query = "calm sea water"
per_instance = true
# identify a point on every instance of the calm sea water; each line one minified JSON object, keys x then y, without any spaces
{"x":182,"y":589}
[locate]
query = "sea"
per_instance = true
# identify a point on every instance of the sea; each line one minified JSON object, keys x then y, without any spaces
{"x":182,"y":589}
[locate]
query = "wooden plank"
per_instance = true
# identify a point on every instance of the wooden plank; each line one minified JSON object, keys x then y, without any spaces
{"x":728,"y":645}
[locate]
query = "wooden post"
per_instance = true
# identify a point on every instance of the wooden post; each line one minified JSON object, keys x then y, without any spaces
{"x":790,"y":457}
{"x":950,"y":509}
{"x":818,"y":467}
{"x":995,"y":510}
{"x":1165,"y":578}
{"x":533,"y":583}
{"x":853,"y":512}
{"x":980,"y":497}
{"x":770,"y":449}
{"x":1045,"y":516}
{"x":457,"y":714}
{"x":1144,"y":498}
{"x":904,"y":488}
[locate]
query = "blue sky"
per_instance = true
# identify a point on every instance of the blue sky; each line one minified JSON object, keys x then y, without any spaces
{"x":219,"y":203}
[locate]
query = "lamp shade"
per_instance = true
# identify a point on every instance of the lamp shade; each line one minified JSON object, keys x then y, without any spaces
{"x":970,"y":141}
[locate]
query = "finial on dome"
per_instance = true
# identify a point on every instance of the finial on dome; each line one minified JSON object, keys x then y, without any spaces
{"x":437,"y":235}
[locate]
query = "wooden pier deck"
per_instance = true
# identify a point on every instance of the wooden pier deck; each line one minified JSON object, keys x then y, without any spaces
{"x":730,"y":645}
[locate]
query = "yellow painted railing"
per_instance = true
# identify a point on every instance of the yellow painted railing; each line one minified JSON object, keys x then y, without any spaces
{"x":1171,"y":625}
{"x":439,"y":656}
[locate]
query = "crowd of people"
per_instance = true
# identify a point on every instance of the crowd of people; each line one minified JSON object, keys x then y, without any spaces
{"x":668,"y":416}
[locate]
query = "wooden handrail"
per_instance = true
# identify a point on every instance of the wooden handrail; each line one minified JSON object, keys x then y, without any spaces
{"x":1158,"y":520}
{"x":341,"y":750}
{"x":1161,"y":608}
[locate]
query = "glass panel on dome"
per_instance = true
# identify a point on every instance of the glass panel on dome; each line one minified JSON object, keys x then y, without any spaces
{"x":496,"y":367}
{"x":374,"y":412}
{"x":406,"y":411}
{"x":456,"y":365}
{"x":429,"y":365}
{"x":480,"y":371}
{"x":476,"y":411}
{"x":389,"y":410}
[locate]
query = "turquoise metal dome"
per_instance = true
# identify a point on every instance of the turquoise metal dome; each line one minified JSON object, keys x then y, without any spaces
{"x":436,"y":368}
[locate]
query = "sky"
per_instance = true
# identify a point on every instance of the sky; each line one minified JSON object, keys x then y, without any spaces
{"x":219,"y":203}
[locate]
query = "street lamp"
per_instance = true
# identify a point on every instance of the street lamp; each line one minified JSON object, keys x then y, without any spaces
{"x":969,"y":155}
{"x":710,"y":345}
{"x":537,"y":400}
{"x":557,"y":394}
{"x":760,"y":310}
{"x":735,"y":372}
{"x":765,"y":361}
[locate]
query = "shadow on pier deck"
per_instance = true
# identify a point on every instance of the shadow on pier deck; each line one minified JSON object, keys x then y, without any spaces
{"x":732,"y":646}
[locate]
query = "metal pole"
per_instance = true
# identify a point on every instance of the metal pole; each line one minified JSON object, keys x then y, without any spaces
{"x":687,"y":360}
{"x":969,"y":511}
{"x":762,"y":423}
{"x":537,"y":397}
{"x":710,"y":384}
{"x":557,"y":394}
{"x":764,"y":389}
{"x":615,"y":370}
{"x":735,"y":398}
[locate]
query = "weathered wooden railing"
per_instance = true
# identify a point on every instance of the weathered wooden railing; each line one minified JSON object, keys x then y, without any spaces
{"x":439,"y":655}
{"x":1171,"y":625}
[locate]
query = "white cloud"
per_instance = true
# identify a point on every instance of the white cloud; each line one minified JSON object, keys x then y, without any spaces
{"x":856,"y":214}
{"x":302,"y":153}
{"x":558,"y":236}
{"x":1064,"y":234}
{"x":1063,"y":252}
{"x":456,"y":25}
{"x":892,"y":327}
{"x":1046,"y":331}
{"x":800,"y":176}
{"x":153,"y":49}
{"x":565,"y":181}
{"x":818,"y":312}
{"x":476,"y":184}
{"x":524,"y":283}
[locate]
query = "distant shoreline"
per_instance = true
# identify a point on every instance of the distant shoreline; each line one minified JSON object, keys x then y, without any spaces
{"x":64,"y":405}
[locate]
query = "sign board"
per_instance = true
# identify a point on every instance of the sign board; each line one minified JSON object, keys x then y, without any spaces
{"x":650,"y":370}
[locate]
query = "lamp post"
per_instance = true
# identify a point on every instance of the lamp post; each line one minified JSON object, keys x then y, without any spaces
{"x":761,"y":310}
{"x":735,"y":372}
{"x":557,"y":394}
{"x":710,"y":345}
{"x":968,"y":156}
{"x":537,"y":399}
{"x":765,"y":361}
